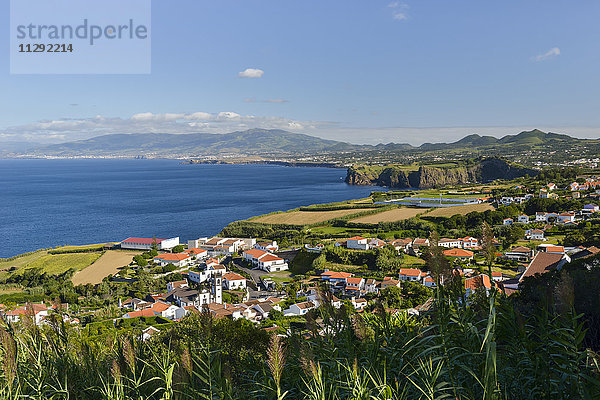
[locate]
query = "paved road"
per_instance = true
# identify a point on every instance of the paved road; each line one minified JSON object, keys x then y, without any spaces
{"x":255,"y":275}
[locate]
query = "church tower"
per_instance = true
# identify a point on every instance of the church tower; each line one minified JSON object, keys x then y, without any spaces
{"x":217,"y":288}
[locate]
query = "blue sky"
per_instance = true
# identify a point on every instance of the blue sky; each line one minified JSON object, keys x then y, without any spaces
{"x":364,"y":71}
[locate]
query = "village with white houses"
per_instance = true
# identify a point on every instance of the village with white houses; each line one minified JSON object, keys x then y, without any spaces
{"x":246,"y":278}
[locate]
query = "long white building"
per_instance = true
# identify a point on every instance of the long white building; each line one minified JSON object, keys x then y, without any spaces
{"x":137,"y":243}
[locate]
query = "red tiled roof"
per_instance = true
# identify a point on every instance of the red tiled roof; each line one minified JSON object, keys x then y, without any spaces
{"x":270,"y":257}
{"x":256,"y":253}
{"x":232,"y":276}
{"x":355,"y":280}
{"x":141,"y":240}
{"x":336,"y":275}
{"x":195,"y":251}
{"x":172,"y":256}
{"x":520,"y":249}
{"x":410,"y":271}
{"x":146,"y":312}
{"x":555,"y":249}
{"x":458,"y":253}
{"x":478,"y":281}
{"x":543,"y":262}
{"x":160,"y":307}
{"x":305,"y":304}
{"x":357,"y":238}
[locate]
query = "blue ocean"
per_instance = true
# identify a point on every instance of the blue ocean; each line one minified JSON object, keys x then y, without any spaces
{"x":46,"y":203}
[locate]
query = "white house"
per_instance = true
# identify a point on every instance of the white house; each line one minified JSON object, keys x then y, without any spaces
{"x":523,"y":219}
{"x":535,"y":234}
{"x":469,"y":242}
{"x":136,"y":243}
{"x":265,"y":260}
{"x":402,"y":244}
{"x":507,"y":200}
{"x":544,"y":262}
{"x":419,"y":242}
{"x":429,"y":282}
{"x":177,"y":259}
{"x":358,"y":243}
{"x":410,"y":274}
{"x":520,"y":254}
{"x":233,"y":281}
{"x":267,"y":246}
{"x":37,"y":311}
{"x":358,"y":304}
{"x":177,"y":284}
{"x":168,"y":311}
{"x":567,"y":217}
{"x":355,"y":283}
{"x":196,"y":254}
{"x":477,"y":282}
{"x":507,"y":221}
{"x":371,"y":286}
{"x":271,"y":263}
{"x":449,"y":243}
{"x":149,"y":332}
{"x":334,"y":277}
{"x":300,"y":308}
{"x":388,"y":282}
{"x":253,"y":255}
{"x":375,"y":243}
{"x":541,"y":217}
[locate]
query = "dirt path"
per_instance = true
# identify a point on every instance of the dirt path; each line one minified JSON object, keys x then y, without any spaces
{"x":108,"y":264}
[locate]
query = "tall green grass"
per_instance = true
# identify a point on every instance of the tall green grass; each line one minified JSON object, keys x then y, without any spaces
{"x":457,"y":351}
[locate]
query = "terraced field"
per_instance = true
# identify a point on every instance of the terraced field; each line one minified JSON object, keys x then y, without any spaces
{"x":397,"y":214}
{"x":108,"y":264}
{"x":464,"y":210}
{"x":305,"y":217}
{"x":52,"y":264}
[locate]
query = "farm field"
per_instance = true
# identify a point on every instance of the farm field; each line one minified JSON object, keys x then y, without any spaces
{"x":108,"y":264}
{"x":397,"y":214}
{"x":450,"y":211}
{"x":305,"y":217}
{"x":412,"y":262}
{"x":282,"y":276}
{"x":52,"y":264}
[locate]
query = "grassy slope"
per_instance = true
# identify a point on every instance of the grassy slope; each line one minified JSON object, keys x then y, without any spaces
{"x":49,"y":263}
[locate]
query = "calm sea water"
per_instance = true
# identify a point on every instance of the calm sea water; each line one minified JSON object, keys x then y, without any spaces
{"x":46,"y":203}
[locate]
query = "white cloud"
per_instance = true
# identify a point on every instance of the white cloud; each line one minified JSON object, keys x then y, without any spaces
{"x":66,"y":130}
{"x":198,"y":116}
{"x":251,"y":73}
{"x":553,"y":52}
{"x":62,"y":130}
{"x":276,"y":101}
{"x":399,"y":10}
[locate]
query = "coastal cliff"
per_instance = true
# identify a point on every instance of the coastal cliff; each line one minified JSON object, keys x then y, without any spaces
{"x":434,"y":176}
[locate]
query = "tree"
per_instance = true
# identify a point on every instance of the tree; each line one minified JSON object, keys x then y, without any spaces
{"x":139,"y":260}
{"x":392,"y":297}
{"x":178,"y":249}
{"x":387,"y":259}
{"x":513,"y":233}
{"x":279,"y":287}
{"x":436,"y":261}
{"x":275,"y":315}
{"x":488,"y":247}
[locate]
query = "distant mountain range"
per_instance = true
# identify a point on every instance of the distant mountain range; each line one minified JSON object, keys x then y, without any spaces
{"x":263,"y":142}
